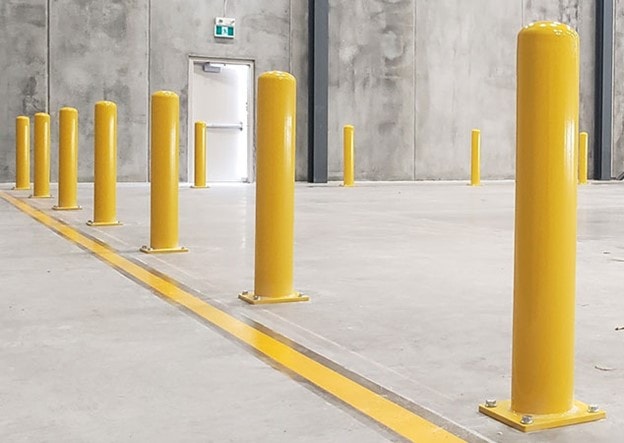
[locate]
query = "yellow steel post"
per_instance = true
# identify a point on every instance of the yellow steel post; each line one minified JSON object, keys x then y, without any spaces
{"x":200,"y":155}
{"x":275,"y":191}
{"x":105,"y":183}
{"x":475,"y":165}
{"x":349,"y":155}
{"x":68,"y":160}
{"x":542,"y":394}
{"x":165,"y":135}
{"x":583,"y":152}
{"x":22,"y":153}
{"x":41,"y":185}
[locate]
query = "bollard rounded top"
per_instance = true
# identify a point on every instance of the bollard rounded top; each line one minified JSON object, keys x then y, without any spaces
{"x":200,"y":123}
{"x":42,"y":115}
{"x":106,"y":104}
{"x":349,"y":127}
{"x":69,"y":110}
{"x":549,"y":28}
{"x":278,"y":75}
{"x":165,"y":94}
{"x":21,"y":117}
{"x":476,"y":131}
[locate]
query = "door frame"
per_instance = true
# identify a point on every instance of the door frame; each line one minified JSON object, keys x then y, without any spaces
{"x":251,"y":111}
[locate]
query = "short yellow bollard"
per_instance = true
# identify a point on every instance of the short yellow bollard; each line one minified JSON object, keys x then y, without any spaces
{"x":475,"y":164}
{"x":68,"y":160}
{"x":105,"y":183}
{"x":22,"y":153}
{"x":165,"y":135}
{"x":200,"y":155}
{"x":275,"y":191}
{"x":41,"y":185}
{"x":349,"y":155}
{"x":583,"y":153}
{"x":542,"y":394}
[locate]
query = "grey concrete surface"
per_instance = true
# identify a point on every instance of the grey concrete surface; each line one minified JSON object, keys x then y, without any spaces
{"x":411,"y":286}
{"x":23,"y":66}
{"x":372,"y":86}
{"x":618,"y":91}
{"x":98,"y":51}
{"x":89,"y":355}
{"x":414,"y":76}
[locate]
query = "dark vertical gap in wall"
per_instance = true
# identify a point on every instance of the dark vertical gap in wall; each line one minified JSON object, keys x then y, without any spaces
{"x":318,"y":91}
{"x":603,"y":132}
{"x":48,"y":68}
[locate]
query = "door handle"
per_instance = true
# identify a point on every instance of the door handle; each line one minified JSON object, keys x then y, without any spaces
{"x":238,"y":126}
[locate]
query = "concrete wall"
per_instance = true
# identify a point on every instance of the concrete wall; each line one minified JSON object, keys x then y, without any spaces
{"x":23,"y":72}
{"x":123,"y":50}
{"x":413,"y":76}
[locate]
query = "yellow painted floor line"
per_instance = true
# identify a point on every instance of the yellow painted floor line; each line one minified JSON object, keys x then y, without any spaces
{"x":384,"y":411}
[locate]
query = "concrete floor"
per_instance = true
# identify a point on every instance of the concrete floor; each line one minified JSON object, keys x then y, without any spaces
{"x":411,"y":287}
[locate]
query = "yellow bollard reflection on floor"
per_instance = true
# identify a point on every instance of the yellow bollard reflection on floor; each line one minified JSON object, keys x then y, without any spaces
{"x":475,"y":164}
{"x":583,"y":153}
{"x":68,"y":160}
{"x":349,"y":155}
{"x":105,"y":173}
{"x":275,"y":191}
{"x":200,"y":155}
{"x":22,"y":153}
{"x":41,"y":185}
{"x":164,"y":210}
{"x":542,"y":394}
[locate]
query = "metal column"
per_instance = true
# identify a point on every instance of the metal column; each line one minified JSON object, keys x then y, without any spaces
{"x":604,"y":90}
{"x":318,"y":90}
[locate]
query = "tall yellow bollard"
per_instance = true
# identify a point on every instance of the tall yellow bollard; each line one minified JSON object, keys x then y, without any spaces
{"x":200,"y":155}
{"x":349,"y":155}
{"x":68,"y":160}
{"x":41,"y":185}
{"x":542,"y":394}
{"x":22,"y":153}
{"x":275,"y":191}
{"x":583,"y":153}
{"x":475,"y":164}
{"x":165,"y":135}
{"x":105,"y":186}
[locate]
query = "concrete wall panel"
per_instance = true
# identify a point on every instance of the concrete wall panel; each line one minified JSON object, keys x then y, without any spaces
{"x":465,"y":79}
{"x":98,"y":51}
{"x":372,"y":87}
{"x":23,"y":73}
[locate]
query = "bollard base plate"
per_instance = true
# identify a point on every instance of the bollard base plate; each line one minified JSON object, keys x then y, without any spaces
{"x":40,"y":196}
{"x":200,"y":187}
{"x":15,"y":188}
{"x":66,"y":208}
{"x":148,"y":250}
{"x":578,"y":414}
{"x":252,"y":299}
{"x":98,"y":224}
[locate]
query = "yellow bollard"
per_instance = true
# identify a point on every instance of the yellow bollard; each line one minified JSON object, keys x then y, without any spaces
{"x":22,"y":153}
{"x":542,"y":394}
{"x":275,"y":191}
{"x":105,"y":183}
{"x":68,"y":160}
{"x":200,"y":155}
{"x":164,"y":171}
{"x":475,"y":164}
{"x":41,"y":185}
{"x":349,"y":155}
{"x":583,"y":153}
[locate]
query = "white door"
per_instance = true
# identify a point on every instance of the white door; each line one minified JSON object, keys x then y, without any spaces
{"x":219,"y":94}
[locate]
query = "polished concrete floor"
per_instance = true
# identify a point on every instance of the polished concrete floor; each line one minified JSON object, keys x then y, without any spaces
{"x":410,"y":286}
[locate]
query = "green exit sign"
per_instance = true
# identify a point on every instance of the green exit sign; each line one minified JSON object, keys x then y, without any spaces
{"x":224,"y":27}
